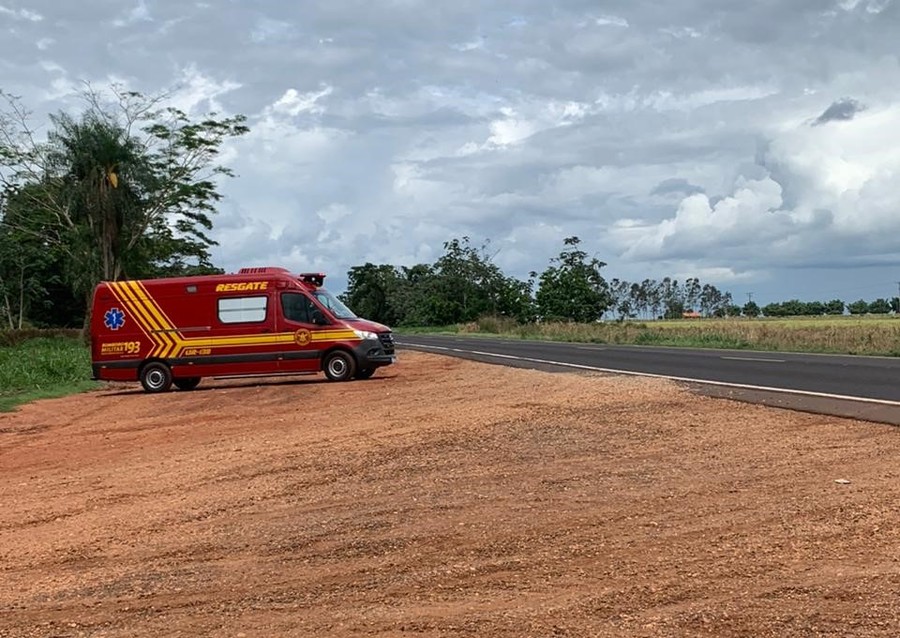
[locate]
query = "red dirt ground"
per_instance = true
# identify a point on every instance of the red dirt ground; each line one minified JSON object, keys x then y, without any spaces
{"x":444,"y":498}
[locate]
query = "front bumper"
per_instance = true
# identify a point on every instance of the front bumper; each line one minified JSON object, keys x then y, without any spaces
{"x":374,"y":353}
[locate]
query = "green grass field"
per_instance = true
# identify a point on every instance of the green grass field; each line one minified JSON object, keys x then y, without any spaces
{"x":838,"y":335}
{"x":42,"y":368}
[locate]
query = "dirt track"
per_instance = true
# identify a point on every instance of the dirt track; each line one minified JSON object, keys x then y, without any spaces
{"x":444,"y":498}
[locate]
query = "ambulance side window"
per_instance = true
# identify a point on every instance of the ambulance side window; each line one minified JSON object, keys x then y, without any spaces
{"x":242,"y":309}
{"x":296,"y":307}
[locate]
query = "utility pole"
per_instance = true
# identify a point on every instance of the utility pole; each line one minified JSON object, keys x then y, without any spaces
{"x":750,"y":294}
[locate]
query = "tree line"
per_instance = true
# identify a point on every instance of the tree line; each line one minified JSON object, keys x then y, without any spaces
{"x":464,"y":284}
{"x":797,"y":308}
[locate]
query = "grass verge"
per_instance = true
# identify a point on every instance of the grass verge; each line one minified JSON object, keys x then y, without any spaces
{"x":43,"y":368}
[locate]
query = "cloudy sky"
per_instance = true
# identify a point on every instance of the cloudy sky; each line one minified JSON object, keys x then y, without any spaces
{"x":754,"y":144}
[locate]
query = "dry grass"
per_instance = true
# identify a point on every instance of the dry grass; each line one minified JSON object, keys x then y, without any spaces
{"x":844,"y":335}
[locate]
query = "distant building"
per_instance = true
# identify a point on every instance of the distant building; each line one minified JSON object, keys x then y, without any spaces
{"x":691,"y":314}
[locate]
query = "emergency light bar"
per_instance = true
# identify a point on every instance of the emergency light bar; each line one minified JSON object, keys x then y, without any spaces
{"x":314,"y":278}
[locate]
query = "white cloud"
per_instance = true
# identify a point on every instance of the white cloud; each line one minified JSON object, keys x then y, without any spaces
{"x":267,"y":30}
{"x":198,"y":92}
{"x":849,"y":168}
{"x":751,"y":214}
{"x":871,"y":6}
{"x":294,"y":103}
{"x":517,"y":124}
{"x":51,"y":67}
{"x":21,"y":14}
{"x":681,"y":32}
{"x":842,"y":180}
{"x":721,"y":275}
{"x":511,"y":129}
{"x":471,"y":45}
{"x":664,"y":100}
{"x":140,"y":13}
{"x":60,"y":88}
{"x":615,"y":21}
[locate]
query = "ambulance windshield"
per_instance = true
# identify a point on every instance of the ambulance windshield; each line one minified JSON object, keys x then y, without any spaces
{"x":333,"y":304}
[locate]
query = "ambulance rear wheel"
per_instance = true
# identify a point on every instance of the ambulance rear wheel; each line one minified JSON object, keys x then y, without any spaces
{"x":339,"y":366}
{"x":156,"y":377}
{"x":188,"y":383}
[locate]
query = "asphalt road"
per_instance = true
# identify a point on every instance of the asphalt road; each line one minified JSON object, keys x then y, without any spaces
{"x":861,"y":387}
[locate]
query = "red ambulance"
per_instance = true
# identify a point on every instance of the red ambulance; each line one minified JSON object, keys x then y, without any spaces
{"x":260,"y":321}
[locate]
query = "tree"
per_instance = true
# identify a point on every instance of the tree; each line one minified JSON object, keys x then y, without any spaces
{"x":774,"y":309}
{"x":750,"y":309}
{"x":692,"y":293}
{"x":470,"y":285}
{"x":622,"y":298}
{"x":467,"y":280}
{"x":814,"y":308}
{"x":372,"y":292}
{"x":572,"y":287}
{"x":711,"y":300}
{"x":672,"y":298}
{"x":859,"y":307}
{"x":417,"y":302}
{"x":880,"y":307}
{"x":728,"y":309}
{"x":834,"y":307}
{"x":126,"y":189}
{"x":22,"y":266}
{"x":793,"y":308}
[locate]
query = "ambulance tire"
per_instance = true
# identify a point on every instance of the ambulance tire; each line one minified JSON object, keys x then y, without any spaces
{"x":339,"y":366}
{"x":156,"y":377}
{"x":365,"y":373}
{"x":187,"y":383}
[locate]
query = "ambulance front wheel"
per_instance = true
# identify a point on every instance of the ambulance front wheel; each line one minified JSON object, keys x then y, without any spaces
{"x":339,"y":366}
{"x":156,"y":377}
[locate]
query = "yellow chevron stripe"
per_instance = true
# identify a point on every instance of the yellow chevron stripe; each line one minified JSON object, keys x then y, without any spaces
{"x":162,"y":343}
{"x":178,"y":342}
{"x":145,"y":318}
{"x":151,"y":303}
{"x":137,"y":314}
{"x":132,"y":313}
{"x":173,"y":339}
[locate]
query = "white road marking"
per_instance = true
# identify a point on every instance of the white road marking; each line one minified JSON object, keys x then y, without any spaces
{"x":754,"y":359}
{"x":724,"y":384}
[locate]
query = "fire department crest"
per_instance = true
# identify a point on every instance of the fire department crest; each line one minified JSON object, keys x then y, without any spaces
{"x":302,"y":337}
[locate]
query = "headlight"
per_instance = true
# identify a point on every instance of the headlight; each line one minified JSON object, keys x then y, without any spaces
{"x":365,"y":334}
